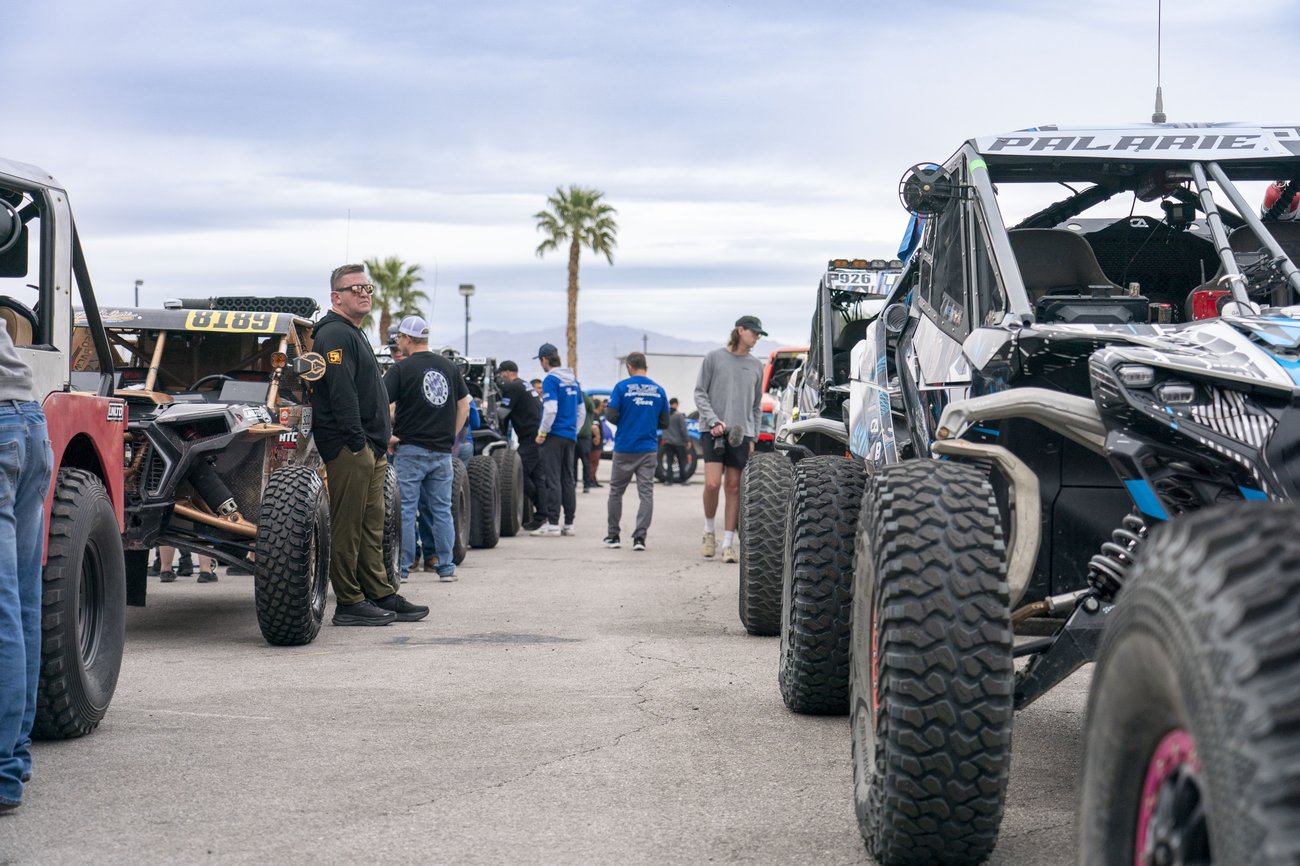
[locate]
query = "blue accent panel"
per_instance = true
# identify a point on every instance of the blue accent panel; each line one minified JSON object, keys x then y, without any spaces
{"x":1292,"y":368}
{"x":1250,"y":494}
{"x":987,"y":431}
{"x":1145,"y":499}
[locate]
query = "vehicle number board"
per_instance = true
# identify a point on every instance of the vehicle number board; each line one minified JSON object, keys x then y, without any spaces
{"x":862,"y":281}
{"x":228,"y":320}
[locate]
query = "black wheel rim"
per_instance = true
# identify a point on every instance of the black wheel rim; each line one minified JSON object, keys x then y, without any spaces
{"x":1172,"y":827}
{"x":90,"y":606}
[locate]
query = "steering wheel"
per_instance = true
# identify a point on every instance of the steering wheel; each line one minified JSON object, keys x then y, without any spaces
{"x":211,"y":377}
{"x":15,"y":225}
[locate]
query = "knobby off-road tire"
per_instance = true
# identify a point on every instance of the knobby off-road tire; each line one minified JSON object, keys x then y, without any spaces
{"x":83,"y":609}
{"x":460,"y":510}
{"x":932,"y":667}
{"x":764,"y":492}
{"x":484,"y":502}
{"x":510,"y":485}
{"x":292,"y":572}
{"x":817,"y":584}
{"x":393,"y":528}
{"x":1192,"y":730}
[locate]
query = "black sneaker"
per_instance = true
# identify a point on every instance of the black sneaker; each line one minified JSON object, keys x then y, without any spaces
{"x":207,"y":577}
{"x":638,"y":544}
{"x":185,"y":567}
{"x":612,"y":541}
{"x":405,"y":611}
{"x":167,"y":576}
{"x":362,"y":613}
{"x":155,"y":567}
{"x":6,"y":808}
{"x":532,"y":525}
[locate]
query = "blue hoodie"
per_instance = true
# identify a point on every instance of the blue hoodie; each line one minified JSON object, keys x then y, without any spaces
{"x":562,"y":409}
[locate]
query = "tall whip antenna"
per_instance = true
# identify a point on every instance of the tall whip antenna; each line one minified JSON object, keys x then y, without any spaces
{"x":1159,"y":115}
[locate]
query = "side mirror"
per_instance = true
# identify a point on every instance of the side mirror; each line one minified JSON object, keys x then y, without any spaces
{"x":926,"y":189}
{"x":895,"y":317}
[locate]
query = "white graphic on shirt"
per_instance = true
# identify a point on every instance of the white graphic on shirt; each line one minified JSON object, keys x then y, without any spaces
{"x":436,"y":388}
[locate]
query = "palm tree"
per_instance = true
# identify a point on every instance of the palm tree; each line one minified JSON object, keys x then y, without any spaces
{"x":579,"y":217}
{"x":395,"y":292}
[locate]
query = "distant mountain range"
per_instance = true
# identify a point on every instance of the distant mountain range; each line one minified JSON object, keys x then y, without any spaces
{"x":599,"y":348}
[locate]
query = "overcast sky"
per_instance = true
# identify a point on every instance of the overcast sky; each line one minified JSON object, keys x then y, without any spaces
{"x":215,"y":148}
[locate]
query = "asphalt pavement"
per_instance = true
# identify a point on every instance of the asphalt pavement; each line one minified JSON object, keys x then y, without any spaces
{"x":563,"y":703}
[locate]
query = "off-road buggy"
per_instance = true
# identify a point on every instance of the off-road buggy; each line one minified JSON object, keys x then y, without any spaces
{"x":791,"y":518}
{"x":219,"y":455}
{"x":83,"y":614}
{"x":1053,"y":385}
{"x":495,"y":477}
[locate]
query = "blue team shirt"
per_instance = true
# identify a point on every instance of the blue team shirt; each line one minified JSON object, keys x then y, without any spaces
{"x":639,"y":401}
{"x":567,"y":396}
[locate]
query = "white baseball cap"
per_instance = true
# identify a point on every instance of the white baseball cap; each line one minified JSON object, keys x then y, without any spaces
{"x":414,"y":326}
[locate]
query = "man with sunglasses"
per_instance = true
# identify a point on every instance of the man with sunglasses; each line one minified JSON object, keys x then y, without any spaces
{"x":350,"y":422}
{"x":729,"y":396}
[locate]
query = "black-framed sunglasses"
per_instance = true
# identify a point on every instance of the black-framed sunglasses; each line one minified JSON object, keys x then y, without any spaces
{"x":363,"y":289}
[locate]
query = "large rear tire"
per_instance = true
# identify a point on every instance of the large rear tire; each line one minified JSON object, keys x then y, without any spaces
{"x":817,"y":584}
{"x":292,"y":572}
{"x":393,"y":528}
{"x":764,"y":491}
{"x":484,"y":502}
{"x":460,"y":510}
{"x":510,"y":484}
{"x":1192,"y":743}
{"x":83,"y":609}
{"x":931,"y":666}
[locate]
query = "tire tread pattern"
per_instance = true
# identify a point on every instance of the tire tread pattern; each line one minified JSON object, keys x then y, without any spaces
{"x":484,"y":502}
{"x":293,"y":554}
{"x":764,"y":493}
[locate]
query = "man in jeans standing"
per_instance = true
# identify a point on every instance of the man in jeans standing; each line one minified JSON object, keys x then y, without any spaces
{"x":430,"y":403}
{"x":351,"y":426}
{"x":25,"y":463}
{"x":562,"y":415}
{"x":637,"y":405}
{"x":729,"y":395}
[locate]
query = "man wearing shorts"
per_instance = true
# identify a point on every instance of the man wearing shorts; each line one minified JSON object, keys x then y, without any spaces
{"x":728,"y":395}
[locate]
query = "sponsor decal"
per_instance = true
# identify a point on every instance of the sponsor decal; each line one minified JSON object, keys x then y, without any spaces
{"x":436,"y":388}
{"x":116,"y":410}
{"x":335,"y":356}
{"x":1194,"y":143}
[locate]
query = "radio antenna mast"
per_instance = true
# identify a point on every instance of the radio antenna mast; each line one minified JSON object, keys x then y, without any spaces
{"x":1159,"y":115}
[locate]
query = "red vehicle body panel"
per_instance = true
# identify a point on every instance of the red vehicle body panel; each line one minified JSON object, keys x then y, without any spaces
{"x":87,"y":432}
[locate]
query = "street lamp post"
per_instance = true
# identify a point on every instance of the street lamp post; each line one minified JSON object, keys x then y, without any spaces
{"x":138,"y":284}
{"x":467,"y":292}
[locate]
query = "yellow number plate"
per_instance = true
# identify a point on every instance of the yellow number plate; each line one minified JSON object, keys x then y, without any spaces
{"x":226,"y":320}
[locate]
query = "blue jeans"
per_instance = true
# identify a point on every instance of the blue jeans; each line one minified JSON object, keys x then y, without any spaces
{"x":425,"y":476}
{"x":25,"y":461}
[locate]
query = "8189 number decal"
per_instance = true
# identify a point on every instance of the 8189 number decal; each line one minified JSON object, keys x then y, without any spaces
{"x":226,"y":320}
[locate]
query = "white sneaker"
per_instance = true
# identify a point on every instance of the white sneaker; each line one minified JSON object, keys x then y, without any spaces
{"x":729,"y":554}
{"x":546,"y":530}
{"x":568,"y":530}
{"x":710,"y":544}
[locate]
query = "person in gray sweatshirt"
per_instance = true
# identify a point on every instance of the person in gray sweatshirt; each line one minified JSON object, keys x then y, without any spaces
{"x":729,"y":397}
{"x":25,"y":462}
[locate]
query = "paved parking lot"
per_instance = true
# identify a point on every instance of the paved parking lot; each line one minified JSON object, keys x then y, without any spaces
{"x":563,"y":703}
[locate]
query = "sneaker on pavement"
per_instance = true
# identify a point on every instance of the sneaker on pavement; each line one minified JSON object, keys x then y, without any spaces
{"x":167,"y":576}
{"x":406,"y":612}
{"x":729,"y":554}
{"x":612,"y":541}
{"x":710,"y":544}
{"x":207,"y":577}
{"x":362,"y":613}
{"x":638,"y":544}
{"x":532,"y":524}
{"x":6,"y":808}
{"x":568,"y":530}
{"x":546,"y":530}
{"x":448,"y":576}
{"x":431,"y":564}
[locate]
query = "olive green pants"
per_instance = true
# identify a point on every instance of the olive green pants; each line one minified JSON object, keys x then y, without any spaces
{"x":356,"y":486}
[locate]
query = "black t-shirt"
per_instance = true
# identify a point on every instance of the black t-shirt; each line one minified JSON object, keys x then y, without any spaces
{"x":520,"y":405}
{"x":426,"y":388}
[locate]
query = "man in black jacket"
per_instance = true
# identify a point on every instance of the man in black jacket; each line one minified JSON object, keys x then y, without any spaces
{"x":523,"y":411}
{"x":350,"y":423}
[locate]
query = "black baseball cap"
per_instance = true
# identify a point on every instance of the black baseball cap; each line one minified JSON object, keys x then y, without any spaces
{"x":546,"y":351}
{"x":507,"y":367}
{"x":751,"y":322}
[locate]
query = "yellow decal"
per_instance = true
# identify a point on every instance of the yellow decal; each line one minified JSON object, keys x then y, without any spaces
{"x":336,"y":356}
{"x":227,"y":320}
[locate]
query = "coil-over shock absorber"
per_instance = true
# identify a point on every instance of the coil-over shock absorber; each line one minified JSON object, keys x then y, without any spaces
{"x":1108,"y":569}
